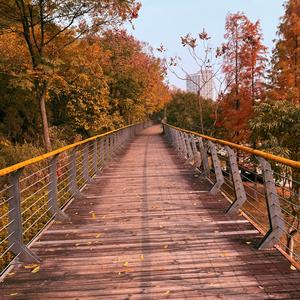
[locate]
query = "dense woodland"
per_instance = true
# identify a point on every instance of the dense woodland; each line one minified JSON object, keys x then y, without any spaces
{"x":68,"y":71}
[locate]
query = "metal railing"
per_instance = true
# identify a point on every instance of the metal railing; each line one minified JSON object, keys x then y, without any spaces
{"x":34,"y":192}
{"x":263,"y":187}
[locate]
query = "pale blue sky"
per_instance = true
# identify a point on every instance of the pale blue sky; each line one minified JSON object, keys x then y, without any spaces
{"x":165,"y":21}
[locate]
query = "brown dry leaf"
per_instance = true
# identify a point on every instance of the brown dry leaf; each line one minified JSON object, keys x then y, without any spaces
{"x":98,"y":235}
{"x":36,"y":269}
{"x":167,"y":292}
{"x":225,"y":254}
{"x":125,"y":264}
{"x":142,"y":257}
{"x":293,"y":268}
{"x":93,"y":216}
{"x":11,"y":273}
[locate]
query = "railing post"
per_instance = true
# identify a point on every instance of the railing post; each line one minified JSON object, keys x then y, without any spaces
{"x":184,"y":147}
{"x":95,"y":156}
{"x":189,"y":148}
{"x":85,"y":163}
{"x":240,"y":193}
{"x":73,"y":188}
{"x":204,"y":157}
{"x":277,"y":226}
{"x":15,"y":228}
{"x":52,"y":194}
{"x":217,"y":167}
{"x":196,"y":153}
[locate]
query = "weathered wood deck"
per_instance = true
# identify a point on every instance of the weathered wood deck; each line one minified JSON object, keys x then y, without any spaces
{"x":146,"y":228}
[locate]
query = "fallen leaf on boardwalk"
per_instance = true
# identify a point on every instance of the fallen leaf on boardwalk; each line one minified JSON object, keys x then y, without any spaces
{"x":195,"y":203}
{"x":216,"y":231}
{"x":225,"y":254}
{"x":142,"y":257}
{"x":166,"y":246}
{"x":36,"y":269}
{"x":76,"y":245}
{"x":125,"y":264}
{"x":76,"y":213}
{"x":161,"y":226}
{"x":261,"y":287}
{"x":248,"y":243}
{"x":93,"y":216}
{"x":11,"y":273}
{"x":98,"y":235}
{"x":293,"y":268}
{"x":167,"y":293}
{"x":30,"y":266}
{"x":89,"y":243}
{"x":13,"y":294}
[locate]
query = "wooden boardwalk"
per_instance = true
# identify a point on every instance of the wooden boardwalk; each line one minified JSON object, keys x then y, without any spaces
{"x":147,"y":228}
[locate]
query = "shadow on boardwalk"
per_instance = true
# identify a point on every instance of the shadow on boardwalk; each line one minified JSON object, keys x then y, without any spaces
{"x":146,"y":228}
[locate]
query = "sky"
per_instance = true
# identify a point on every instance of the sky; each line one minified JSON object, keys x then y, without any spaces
{"x":165,"y":21}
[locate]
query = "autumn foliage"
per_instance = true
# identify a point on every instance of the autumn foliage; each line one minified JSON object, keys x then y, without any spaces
{"x":95,"y":84}
{"x":243,"y":67}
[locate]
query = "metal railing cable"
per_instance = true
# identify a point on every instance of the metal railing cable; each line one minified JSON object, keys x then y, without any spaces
{"x":262,"y":186}
{"x":34,"y":192}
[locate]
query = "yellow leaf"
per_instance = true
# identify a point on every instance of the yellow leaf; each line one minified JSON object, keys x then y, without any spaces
{"x":98,"y":235}
{"x":93,"y":215}
{"x":142,"y":257}
{"x":125,"y":264}
{"x":11,"y":273}
{"x":36,"y":269}
{"x":167,"y":292}
{"x":30,"y":266}
{"x":293,"y":268}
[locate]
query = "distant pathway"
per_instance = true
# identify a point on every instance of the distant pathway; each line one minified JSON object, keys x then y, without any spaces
{"x":147,"y":228}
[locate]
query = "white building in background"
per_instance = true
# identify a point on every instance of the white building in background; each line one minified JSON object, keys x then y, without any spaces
{"x":203,"y":80}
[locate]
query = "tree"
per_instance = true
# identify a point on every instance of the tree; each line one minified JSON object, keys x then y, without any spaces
{"x":285,"y":74}
{"x":181,"y":111}
{"x":136,"y":84}
{"x":42,"y":22}
{"x":79,"y":92}
{"x":243,"y":66}
{"x":207,"y":61}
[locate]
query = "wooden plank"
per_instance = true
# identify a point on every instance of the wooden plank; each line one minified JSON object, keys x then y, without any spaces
{"x":147,"y":228}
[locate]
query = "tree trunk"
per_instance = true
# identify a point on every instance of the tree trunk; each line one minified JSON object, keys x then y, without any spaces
{"x":200,"y":112}
{"x":41,"y":91}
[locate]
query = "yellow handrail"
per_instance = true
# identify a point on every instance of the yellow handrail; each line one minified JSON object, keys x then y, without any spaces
{"x":36,"y":159}
{"x":269,"y":156}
